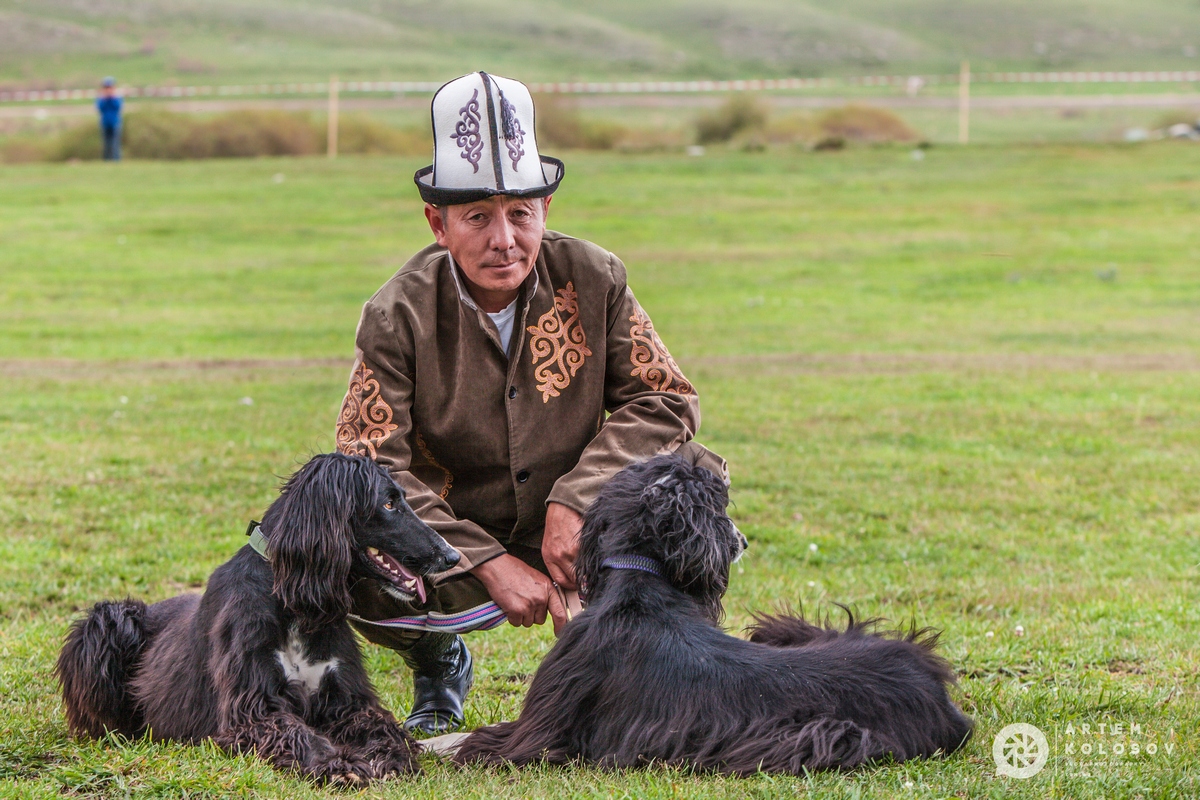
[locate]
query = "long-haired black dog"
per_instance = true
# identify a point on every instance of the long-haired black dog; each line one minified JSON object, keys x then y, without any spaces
{"x":646,"y":675}
{"x":265,"y":660}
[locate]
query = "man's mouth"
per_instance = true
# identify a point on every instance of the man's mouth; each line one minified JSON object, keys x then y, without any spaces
{"x":407,"y":582}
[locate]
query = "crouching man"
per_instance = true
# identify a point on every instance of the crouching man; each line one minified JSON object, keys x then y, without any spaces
{"x":502,"y":376}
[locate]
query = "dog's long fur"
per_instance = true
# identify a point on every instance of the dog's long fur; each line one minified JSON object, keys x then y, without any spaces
{"x":646,"y":675}
{"x":265,"y":660}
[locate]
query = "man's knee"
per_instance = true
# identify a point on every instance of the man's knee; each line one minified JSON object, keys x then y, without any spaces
{"x":373,"y":609}
{"x":698,"y":454}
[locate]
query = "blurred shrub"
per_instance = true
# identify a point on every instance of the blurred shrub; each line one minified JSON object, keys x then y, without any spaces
{"x":865,"y":124}
{"x":559,"y":124}
{"x":157,"y":134}
{"x":363,"y":135}
{"x":740,"y":112}
{"x":829,"y":142}
{"x":244,"y":134}
{"x":1177,"y":116}
{"x":651,"y":140}
{"x":793,"y":129}
{"x":834,"y":128}
{"x":80,"y":141}
{"x":162,"y":134}
{"x":22,"y":150}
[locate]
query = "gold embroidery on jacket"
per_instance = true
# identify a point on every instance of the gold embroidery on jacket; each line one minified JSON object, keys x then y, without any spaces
{"x":366,"y":420}
{"x":563,"y":344}
{"x":433,"y":462}
{"x":651,"y":361}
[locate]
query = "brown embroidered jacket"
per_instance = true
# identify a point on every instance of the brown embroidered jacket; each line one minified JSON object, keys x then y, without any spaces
{"x":481,"y":441}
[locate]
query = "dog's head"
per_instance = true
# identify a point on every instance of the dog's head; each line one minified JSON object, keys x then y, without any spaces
{"x":341,"y":517}
{"x":669,"y":510}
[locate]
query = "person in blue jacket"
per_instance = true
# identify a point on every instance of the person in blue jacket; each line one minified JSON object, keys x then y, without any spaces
{"x":109,"y":106}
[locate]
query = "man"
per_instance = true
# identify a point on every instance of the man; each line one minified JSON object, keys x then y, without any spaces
{"x":502,"y":376}
{"x":109,"y":106}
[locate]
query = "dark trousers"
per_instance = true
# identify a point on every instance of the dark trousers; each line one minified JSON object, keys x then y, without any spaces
{"x":112,"y":142}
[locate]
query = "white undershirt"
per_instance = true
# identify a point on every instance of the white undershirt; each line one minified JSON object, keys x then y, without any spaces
{"x":503,"y":319}
{"x":504,"y":323}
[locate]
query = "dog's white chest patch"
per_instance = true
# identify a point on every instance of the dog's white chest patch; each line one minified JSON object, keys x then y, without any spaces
{"x":297,"y":667}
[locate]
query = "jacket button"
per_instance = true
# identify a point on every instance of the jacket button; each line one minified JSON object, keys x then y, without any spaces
{"x":512,"y":393}
{"x":522,"y":476}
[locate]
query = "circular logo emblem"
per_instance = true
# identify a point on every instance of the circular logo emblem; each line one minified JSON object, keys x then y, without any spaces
{"x":1020,"y":751}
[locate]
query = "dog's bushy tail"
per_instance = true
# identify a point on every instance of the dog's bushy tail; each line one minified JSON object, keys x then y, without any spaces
{"x":96,"y":666}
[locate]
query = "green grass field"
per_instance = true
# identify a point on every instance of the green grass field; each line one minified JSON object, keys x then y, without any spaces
{"x":302,"y":40}
{"x":960,"y":390}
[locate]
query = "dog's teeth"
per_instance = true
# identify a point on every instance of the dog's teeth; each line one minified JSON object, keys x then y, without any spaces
{"x":372,"y":551}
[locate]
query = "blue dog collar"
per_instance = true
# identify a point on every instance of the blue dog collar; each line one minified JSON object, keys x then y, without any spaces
{"x":639,"y":563}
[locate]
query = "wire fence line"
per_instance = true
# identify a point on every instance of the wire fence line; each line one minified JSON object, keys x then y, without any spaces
{"x":613,"y":87}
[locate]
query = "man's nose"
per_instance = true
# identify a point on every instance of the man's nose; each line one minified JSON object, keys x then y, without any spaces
{"x":502,"y":237}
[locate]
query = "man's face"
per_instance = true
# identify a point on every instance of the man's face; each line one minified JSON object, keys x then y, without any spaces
{"x":495,"y":243}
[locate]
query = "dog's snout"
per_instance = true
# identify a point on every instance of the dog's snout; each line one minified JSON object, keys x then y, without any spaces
{"x":743,"y":542}
{"x":450,"y":556}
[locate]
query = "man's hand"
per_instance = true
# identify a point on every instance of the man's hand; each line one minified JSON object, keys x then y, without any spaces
{"x":560,"y":543}
{"x":523,"y":593}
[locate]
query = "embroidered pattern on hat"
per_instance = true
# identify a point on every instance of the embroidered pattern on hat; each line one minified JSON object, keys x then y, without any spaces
{"x":365,"y":421}
{"x":514,"y":135}
{"x":562,"y":344}
{"x":466,"y":132}
{"x":651,"y":361}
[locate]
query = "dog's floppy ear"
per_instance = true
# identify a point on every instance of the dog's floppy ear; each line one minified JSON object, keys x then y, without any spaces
{"x":591,"y":555}
{"x":687,"y":505}
{"x":309,"y":530}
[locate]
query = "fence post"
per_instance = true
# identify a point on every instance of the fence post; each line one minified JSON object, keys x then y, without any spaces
{"x":332,"y":134}
{"x":964,"y":102}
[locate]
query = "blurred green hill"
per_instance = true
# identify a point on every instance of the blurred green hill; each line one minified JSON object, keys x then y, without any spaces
{"x":71,"y":42}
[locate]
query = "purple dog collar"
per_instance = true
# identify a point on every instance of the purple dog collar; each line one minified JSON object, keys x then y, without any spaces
{"x":639,"y":563}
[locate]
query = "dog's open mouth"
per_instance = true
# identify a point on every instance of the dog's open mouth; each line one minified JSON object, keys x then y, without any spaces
{"x":405,"y":581}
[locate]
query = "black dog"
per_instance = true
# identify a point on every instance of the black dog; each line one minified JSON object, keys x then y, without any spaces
{"x":264,"y":660}
{"x":646,"y":675}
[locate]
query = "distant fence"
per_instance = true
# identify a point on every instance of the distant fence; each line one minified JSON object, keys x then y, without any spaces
{"x":611,"y":87}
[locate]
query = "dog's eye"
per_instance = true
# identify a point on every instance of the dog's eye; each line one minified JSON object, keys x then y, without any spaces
{"x":389,"y":505}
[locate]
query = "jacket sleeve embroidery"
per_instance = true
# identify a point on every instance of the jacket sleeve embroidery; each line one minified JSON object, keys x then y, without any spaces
{"x":651,"y":361}
{"x":365,"y":421}
{"x":562,"y":344}
{"x":433,"y":462}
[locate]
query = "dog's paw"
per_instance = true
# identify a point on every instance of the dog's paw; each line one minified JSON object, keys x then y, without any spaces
{"x":393,"y":766}
{"x":344,"y":772}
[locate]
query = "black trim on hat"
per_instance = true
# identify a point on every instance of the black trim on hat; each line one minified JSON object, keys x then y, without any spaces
{"x":497,"y":165}
{"x":452,"y":197}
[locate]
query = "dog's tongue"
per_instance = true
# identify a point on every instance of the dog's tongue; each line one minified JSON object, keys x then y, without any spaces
{"x":405,"y":579}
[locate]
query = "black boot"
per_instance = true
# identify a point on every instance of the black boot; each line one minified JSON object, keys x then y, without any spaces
{"x":442,"y":675}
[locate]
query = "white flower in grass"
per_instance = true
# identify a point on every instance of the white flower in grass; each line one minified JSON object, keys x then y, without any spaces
{"x":989,"y":634}
{"x":1019,"y":630}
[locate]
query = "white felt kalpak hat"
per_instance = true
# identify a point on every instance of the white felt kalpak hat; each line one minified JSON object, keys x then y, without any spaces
{"x":484,"y":144}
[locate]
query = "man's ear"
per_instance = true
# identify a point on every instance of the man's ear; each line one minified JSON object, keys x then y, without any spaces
{"x":546,"y":208}
{"x":433,"y":215}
